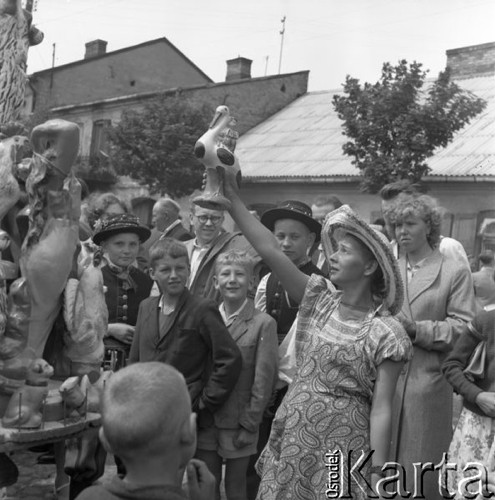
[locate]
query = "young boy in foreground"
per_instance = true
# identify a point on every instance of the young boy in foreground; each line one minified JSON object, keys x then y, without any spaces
{"x":186,"y":332}
{"x":147,"y":422}
{"x":234,"y":435}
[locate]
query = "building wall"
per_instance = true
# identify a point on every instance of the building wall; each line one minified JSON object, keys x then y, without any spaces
{"x":465,"y":203}
{"x":148,"y":67}
{"x":251,"y":101}
{"x":466,"y":62}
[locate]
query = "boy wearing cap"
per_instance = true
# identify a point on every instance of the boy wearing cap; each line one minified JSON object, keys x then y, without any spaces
{"x":119,"y":237}
{"x":296,"y":231}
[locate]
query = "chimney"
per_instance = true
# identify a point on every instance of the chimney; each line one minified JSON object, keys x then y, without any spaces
{"x":238,"y":68}
{"x":474,"y":60}
{"x":95,"y":48}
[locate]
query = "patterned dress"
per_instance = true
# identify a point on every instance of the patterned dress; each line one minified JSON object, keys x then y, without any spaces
{"x":327,"y":407}
{"x":473,"y":442}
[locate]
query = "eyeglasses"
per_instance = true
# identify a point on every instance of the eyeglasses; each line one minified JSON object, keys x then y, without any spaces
{"x":214,"y":219}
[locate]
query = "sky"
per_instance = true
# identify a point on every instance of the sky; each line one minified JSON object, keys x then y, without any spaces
{"x":330,"y":38}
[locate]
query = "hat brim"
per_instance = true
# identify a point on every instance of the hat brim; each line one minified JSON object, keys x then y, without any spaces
{"x":143,"y":233}
{"x":345,"y":221}
{"x":271,"y":216}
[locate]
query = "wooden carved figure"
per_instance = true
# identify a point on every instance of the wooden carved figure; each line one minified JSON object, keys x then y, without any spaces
{"x":81,"y":396}
{"x":24,"y":408}
{"x":16,"y":36}
{"x":55,"y":202}
{"x":86,"y":317}
{"x":11,"y":153}
{"x":215,"y":149}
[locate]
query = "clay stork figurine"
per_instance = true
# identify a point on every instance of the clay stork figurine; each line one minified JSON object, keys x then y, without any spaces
{"x":215,"y":150}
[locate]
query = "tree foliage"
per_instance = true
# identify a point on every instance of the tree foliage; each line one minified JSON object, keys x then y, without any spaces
{"x":394,"y":125}
{"x":155,"y":145}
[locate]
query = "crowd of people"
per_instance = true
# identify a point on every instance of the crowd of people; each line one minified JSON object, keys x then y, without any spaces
{"x":378,"y":323}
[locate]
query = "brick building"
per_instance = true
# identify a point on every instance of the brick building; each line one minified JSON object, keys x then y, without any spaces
{"x":147,"y":67}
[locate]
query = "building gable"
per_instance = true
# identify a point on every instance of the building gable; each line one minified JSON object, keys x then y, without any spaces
{"x":150,"y":66}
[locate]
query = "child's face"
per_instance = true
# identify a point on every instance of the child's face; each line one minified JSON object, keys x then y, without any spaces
{"x":122,"y":249}
{"x":171,"y":275}
{"x":294,"y":239}
{"x":233,"y":282}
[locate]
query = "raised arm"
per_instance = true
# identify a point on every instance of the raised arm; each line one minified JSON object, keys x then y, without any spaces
{"x":293,"y":280}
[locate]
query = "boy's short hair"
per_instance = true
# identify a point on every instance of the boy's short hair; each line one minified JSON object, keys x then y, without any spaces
{"x":235,"y":257}
{"x":167,"y":247}
{"x":486,"y":257}
{"x":394,"y":189}
{"x":144,"y":406}
{"x":329,"y":199}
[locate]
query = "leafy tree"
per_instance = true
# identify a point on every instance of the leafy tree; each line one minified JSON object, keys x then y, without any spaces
{"x":394,"y":125}
{"x":155,"y":145}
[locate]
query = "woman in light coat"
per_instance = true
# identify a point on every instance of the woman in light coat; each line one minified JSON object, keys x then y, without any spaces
{"x":438,"y":305}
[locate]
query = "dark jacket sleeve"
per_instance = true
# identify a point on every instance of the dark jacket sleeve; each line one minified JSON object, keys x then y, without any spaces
{"x":457,"y":361}
{"x":226,"y":360}
{"x":134,"y":352}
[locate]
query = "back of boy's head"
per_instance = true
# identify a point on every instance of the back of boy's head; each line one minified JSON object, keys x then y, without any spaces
{"x":392,"y":190}
{"x":167,"y":247}
{"x":486,"y":258}
{"x":235,"y":257}
{"x":144,"y":408}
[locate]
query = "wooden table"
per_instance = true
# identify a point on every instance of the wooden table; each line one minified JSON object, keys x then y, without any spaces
{"x":18,"y":439}
{"x":12,"y":439}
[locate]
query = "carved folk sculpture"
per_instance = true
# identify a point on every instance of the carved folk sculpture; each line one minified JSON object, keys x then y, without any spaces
{"x":81,"y":396}
{"x":86,"y":318}
{"x":215,"y":149}
{"x":16,"y":35}
{"x":23,"y":410}
{"x":11,"y":153}
{"x":15,"y":357}
{"x":48,"y":249}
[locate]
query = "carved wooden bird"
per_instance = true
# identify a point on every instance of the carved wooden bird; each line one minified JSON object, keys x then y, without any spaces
{"x":215,"y":149}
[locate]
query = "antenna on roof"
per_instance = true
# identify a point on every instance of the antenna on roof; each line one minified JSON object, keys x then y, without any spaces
{"x":266,"y":65}
{"x":282,"y":32}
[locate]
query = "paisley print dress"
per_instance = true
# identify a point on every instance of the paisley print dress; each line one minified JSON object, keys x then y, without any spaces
{"x":327,"y":407}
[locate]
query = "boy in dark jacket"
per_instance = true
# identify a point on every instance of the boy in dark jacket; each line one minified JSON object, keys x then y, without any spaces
{"x":186,"y":332}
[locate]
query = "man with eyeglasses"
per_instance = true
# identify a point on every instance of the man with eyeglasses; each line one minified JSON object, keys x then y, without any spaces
{"x":210,"y":240}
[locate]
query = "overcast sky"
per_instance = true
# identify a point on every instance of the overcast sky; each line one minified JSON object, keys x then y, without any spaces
{"x":330,"y":38}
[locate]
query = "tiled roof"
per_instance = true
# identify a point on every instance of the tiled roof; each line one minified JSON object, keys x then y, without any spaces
{"x":304,"y":141}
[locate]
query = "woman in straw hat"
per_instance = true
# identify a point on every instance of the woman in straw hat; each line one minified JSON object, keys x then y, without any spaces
{"x":439,"y":303}
{"x":349,"y":352}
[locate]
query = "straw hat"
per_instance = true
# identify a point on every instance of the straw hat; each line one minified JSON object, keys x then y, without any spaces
{"x":344,"y":221}
{"x":292,"y":209}
{"x":122,"y":223}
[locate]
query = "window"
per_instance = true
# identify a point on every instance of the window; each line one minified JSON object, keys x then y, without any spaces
{"x":99,"y":138}
{"x":464,"y":230}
